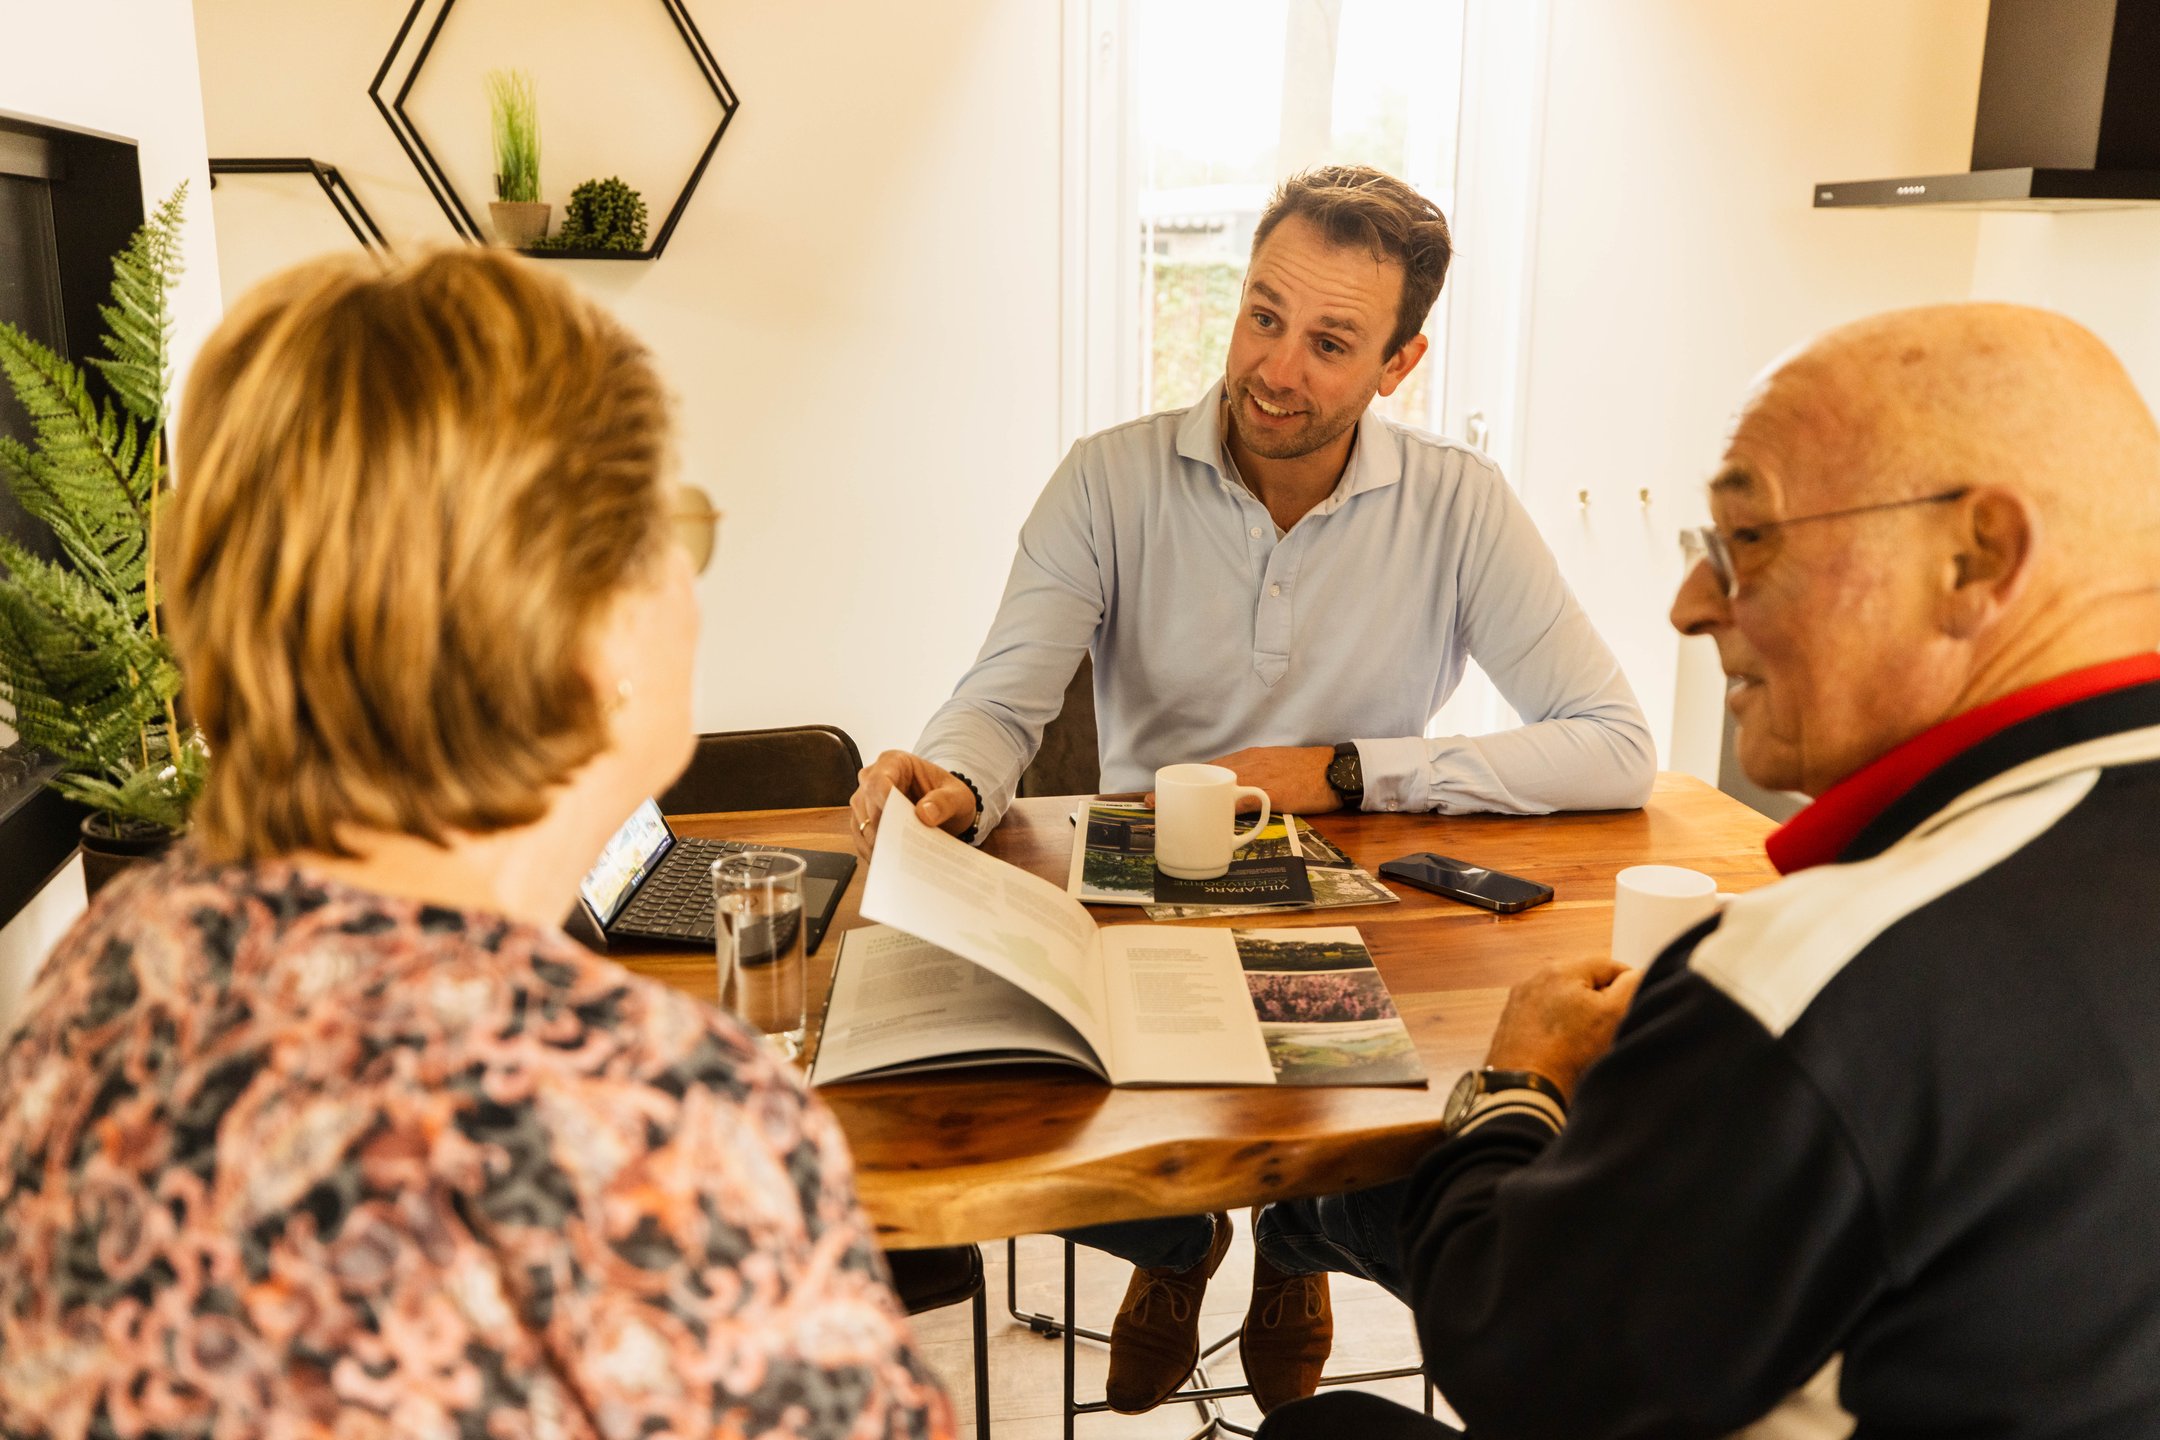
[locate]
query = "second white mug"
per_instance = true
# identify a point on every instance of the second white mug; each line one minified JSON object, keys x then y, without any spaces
{"x":1196,"y":819}
{"x":1653,"y":905}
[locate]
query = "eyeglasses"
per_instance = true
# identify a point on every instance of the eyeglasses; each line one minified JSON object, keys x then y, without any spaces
{"x":696,"y":524}
{"x":1707,"y":542}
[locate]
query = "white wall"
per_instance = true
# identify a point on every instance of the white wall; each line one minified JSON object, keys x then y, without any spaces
{"x":859,"y":309}
{"x":1678,"y":253}
{"x":124,"y":68}
{"x":2101,"y":269}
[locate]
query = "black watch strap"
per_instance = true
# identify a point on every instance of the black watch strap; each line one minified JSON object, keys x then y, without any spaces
{"x":1524,"y":1080}
{"x":1346,"y":773}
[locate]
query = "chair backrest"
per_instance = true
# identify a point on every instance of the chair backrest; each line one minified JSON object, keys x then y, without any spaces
{"x":785,"y":769}
{"x":1069,"y":761}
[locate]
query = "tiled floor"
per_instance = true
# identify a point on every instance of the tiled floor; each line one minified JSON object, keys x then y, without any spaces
{"x":1372,"y":1332}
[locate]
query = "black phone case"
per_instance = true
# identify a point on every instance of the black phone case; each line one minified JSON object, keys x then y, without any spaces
{"x":1388,"y":871}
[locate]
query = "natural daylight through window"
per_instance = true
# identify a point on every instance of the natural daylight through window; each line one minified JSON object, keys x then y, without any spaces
{"x":1226,"y":98}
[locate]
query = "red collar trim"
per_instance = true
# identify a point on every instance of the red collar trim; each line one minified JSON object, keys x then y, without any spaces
{"x":1820,"y":833}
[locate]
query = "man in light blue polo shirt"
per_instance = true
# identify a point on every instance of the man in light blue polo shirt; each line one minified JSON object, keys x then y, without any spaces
{"x":1284,"y":582}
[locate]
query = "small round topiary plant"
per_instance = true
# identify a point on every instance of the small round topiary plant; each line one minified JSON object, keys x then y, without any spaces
{"x":603,"y":215}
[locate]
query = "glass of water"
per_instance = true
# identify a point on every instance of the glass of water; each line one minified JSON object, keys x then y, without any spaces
{"x":758,"y":936}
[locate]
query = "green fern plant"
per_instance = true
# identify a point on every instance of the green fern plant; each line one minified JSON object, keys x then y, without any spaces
{"x":515,"y":114}
{"x":603,"y":215}
{"x":86,"y":674}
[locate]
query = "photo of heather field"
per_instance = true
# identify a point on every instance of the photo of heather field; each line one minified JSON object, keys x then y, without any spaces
{"x":1326,"y":997}
{"x":1371,"y":1053}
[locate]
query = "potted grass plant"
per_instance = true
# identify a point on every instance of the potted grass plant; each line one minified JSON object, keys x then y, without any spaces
{"x":520,"y":216}
{"x":86,"y":674}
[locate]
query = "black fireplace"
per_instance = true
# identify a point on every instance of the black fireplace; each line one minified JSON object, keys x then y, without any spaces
{"x":68,"y":203}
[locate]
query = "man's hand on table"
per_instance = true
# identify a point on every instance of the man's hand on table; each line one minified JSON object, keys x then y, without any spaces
{"x":1562,"y":1018}
{"x":1294,"y":776}
{"x":940,"y":797}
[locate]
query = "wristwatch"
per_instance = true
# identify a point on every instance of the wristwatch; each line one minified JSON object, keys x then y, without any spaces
{"x":1346,"y":775}
{"x":1475,"y":1085}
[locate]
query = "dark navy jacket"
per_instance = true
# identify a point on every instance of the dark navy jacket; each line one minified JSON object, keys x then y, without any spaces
{"x":1891,"y":1124}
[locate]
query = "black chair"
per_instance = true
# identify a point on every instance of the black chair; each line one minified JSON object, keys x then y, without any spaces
{"x":1326,"y":1417}
{"x":786,"y":769}
{"x":933,"y":1279}
{"x":794,"y":768}
{"x":1069,"y":761}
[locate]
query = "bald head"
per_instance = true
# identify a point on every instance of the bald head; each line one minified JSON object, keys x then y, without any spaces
{"x":1929,"y":509}
{"x":1950,"y":396}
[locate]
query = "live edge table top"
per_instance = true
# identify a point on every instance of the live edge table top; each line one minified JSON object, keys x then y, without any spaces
{"x":981,"y":1154}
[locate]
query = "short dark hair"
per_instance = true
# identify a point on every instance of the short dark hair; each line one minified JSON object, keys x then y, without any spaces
{"x":1358,"y":205}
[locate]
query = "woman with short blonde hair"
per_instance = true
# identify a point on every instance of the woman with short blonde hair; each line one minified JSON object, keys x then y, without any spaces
{"x":322,"y":1125}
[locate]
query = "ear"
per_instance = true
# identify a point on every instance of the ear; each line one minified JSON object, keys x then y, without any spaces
{"x":609,"y":648}
{"x":1991,"y":560}
{"x":1401,"y":363}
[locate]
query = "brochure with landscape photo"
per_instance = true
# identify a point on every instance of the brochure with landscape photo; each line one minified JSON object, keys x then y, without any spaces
{"x":978,"y":962}
{"x":1287,"y":866}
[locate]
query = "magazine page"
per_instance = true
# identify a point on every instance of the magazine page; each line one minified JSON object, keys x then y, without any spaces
{"x":1323,"y":1010}
{"x":1113,"y":863}
{"x":898,"y":1002}
{"x":1179,"y":1014}
{"x":1018,"y":927}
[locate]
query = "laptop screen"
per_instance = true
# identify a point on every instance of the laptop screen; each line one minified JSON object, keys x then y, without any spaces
{"x":628,"y":858}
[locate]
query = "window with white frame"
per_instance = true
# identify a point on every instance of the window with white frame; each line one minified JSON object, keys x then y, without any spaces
{"x":1229,"y":96}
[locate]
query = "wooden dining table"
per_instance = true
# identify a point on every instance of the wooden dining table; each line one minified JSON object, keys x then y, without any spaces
{"x":982,"y":1154}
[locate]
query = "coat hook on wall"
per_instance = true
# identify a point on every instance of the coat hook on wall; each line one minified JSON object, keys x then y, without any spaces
{"x":1478,"y":431}
{"x":1582,"y":499}
{"x":1645,"y":494}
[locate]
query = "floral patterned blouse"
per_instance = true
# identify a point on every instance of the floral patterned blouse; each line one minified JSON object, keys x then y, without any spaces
{"x":280,"y":1157}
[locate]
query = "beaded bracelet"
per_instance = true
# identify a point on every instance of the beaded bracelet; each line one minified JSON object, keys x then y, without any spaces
{"x":968,"y":835}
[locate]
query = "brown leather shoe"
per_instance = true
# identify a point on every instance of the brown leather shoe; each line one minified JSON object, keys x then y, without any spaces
{"x":1155,"y":1340}
{"x":1289,"y":1330}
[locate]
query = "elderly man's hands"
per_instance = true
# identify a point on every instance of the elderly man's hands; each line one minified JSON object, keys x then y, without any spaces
{"x":940,"y":798}
{"x":1562,"y":1018}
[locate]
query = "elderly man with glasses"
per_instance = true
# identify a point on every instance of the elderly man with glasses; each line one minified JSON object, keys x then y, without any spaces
{"x":1877,"y":1151}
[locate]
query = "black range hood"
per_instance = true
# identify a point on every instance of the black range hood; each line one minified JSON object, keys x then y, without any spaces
{"x":2069,"y":116}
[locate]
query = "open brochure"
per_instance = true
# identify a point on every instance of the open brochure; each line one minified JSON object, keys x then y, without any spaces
{"x":978,"y":962}
{"x":1287,"y":866}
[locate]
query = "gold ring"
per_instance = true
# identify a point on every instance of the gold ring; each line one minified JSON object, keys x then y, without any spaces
{"x":862,"y":827}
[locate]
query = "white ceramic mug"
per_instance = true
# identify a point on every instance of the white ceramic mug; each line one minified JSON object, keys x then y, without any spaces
{"x":1653,"y":905}
{"x":1196,"y":819}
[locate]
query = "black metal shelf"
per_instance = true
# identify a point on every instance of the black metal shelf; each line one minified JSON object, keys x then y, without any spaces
{"x":534,"y":254}
{"x":342,"y":198}
{"x":438,"y":180}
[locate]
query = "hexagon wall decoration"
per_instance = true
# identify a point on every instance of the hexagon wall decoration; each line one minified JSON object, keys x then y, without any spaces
{"x":437,"y":179}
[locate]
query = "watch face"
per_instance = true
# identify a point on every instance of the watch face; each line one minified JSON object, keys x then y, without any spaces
{"x":1460,"y":1099}
{"x":1342,"y":773}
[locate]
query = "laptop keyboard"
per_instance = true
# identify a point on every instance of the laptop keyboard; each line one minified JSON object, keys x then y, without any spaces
{"x":677,"y":900}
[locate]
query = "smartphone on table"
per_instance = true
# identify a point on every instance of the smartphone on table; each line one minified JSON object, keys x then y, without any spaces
{"x":1472,"y":884}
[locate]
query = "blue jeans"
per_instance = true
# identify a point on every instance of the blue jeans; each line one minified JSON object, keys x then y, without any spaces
{"x":1178,"y":1243}
{"x":1353,"y":1233}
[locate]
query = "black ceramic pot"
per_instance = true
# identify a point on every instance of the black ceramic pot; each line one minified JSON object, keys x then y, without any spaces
{"x":108,"y":851}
